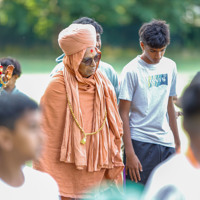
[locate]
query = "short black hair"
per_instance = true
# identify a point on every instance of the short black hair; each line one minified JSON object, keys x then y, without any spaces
{"x":13,"y":107}
{"x":191,"y":107}
{"x":11,"y":61}
{"x":196,"y":79}
{"x":87,"y":20}
{"x":155,"y":34}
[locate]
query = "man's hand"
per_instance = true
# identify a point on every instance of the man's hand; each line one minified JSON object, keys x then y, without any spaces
{"x":173,"y":123}
{"x":134,"y":167}
{"x":178,"y":145}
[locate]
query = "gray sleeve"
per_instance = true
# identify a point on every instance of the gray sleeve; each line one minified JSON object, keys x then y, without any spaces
{"x":58,"y":67}
{"x":116,"y":85}
{"x":173,"y":84}
{"x":127,"y":86}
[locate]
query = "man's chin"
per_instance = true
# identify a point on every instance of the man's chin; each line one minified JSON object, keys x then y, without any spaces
{"x":156,"y":61}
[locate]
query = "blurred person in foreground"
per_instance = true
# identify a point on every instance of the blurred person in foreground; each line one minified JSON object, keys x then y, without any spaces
{"x":195,"y":80}
{"x":131,"y":192}
{"x":146,"y":106}
{"x":21,"y":140}
{"x":11,"y":85}
{"x":81,"y":119}
{"x":179,"y":176}
{"x":104,"y":67}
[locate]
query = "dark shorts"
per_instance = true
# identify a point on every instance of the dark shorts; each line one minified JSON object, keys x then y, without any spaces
{"x":150,"y":155}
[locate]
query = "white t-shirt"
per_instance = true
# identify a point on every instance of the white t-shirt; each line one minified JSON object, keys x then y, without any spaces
{"x":175,"y":178}
{"x":148,"y":87}
{"x":37,"y":186}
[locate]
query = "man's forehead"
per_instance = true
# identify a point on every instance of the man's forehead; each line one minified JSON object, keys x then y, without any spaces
{"x":157,"y":49}
{"x":90,"y":52}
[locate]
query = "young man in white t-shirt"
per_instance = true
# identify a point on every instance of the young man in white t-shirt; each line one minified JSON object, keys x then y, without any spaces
{"x":21,"y":140}
{"x":179,"y":176}
{"x":148,"y":84}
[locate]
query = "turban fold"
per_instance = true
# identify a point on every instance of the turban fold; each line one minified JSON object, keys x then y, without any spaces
{"x":77,"y":37}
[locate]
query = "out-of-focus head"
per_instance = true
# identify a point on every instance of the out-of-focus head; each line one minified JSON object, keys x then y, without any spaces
{"x":11,"y":61}
{"x":5,"y":62}
{"x":191,"y":109}
{"x":195,"y":80}
{"x":97,"y":26}
{"x":20,"y":130}
{"x":87,"y":20}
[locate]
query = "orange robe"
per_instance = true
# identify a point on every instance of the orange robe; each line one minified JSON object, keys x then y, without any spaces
{"x":76,"y":167}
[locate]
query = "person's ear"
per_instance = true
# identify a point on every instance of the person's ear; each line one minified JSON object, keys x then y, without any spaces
{"x":6,"y":139}
{"x":142,"y":45}
{"x":16,"y":76}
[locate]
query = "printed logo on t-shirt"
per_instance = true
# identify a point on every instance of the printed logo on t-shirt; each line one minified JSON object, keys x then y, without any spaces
{"x":157,"y":80}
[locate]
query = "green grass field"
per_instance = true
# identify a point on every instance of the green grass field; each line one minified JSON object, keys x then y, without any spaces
{"x":43,"y":61}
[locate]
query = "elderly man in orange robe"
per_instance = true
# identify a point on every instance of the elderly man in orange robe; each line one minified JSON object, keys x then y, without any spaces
{"x":81,"y":119}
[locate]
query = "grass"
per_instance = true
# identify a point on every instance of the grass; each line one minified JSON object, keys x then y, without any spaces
{"x":43,"y":60}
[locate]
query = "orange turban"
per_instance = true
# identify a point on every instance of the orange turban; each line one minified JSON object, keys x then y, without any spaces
{"x":77,"y":37}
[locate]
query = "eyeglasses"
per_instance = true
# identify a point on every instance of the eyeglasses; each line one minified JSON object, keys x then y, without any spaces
{"x":88,"y":61}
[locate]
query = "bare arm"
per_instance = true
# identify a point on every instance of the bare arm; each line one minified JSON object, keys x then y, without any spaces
{"x":173,"y":122}
{"x":133,"y":164}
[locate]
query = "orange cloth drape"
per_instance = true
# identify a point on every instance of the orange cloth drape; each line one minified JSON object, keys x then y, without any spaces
{"x":77,"y":167}
{"x":104,"y":149}
{"x":74,"y":166}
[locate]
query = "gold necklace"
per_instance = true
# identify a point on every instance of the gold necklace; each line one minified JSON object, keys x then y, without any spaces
{"x":83,"y":141}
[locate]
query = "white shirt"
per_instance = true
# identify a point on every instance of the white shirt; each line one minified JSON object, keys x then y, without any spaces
{"x":37,"y":186}
{"x":148,"y":87}
{"x":175,"y":179}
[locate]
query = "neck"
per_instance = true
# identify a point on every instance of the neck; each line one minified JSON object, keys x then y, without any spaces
{"x":196,"y":149}
{"x":143,"y":57}
{"x":11,"y":170}
{"x":9,"y":89}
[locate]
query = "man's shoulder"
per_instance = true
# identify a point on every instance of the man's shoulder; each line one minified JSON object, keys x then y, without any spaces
{"x":173,"y":164}
{"x":105,"y":64}
{"x":133,"y":64}
{"x":17,"y":91}
{"x":56,"y":86}
{"x":168,"y":173}
{"x":28,"y":171}
{"x":106,"y":67}
{"x":58,"y":67}
{"x":41,"y":183}
{"x":131,"y":68}
{"x":168,"y":61}
{"x":38,"y":176}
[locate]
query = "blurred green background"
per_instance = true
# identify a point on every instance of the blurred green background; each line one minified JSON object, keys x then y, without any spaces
{"x":29,"y":29}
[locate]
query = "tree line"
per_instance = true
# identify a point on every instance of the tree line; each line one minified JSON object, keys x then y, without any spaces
{"x":39,"y":21}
